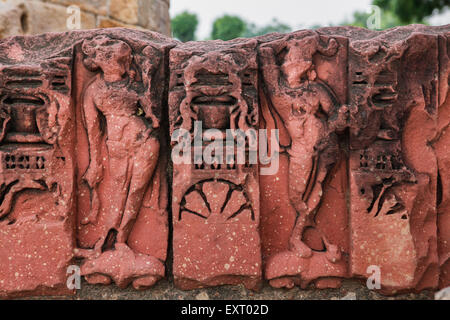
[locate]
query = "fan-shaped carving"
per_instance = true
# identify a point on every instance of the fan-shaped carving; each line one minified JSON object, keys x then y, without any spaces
{"x":216,"y":197}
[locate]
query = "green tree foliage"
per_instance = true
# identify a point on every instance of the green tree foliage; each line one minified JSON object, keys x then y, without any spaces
{"x":228,"y":27}
{"x":184,"y":26}
{"x":253,"y":30}
{"x":412,"y":11}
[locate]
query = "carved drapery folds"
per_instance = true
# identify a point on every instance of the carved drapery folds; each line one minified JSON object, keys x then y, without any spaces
{"x":90,"y":122}
{"x":122,"y":189}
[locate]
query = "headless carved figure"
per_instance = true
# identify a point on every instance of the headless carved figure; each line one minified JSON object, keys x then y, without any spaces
{"x":304,"y":104}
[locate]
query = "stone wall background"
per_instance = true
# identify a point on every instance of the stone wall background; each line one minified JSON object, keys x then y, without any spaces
{"x":27,"y":17}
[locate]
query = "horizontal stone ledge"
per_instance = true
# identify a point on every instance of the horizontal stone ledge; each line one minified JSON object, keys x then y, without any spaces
{"x":298,"y":159}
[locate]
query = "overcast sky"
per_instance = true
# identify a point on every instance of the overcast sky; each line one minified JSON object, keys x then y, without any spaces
{"x":298,"y":14}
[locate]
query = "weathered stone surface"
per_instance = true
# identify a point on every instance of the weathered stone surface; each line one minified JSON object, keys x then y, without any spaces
{"x":154,"y":15}
{"x":441,"y":146}
{"x":359,"y":187}
{"x":10,"y":20}
{"x":37,"y":168}
{"x":303,"y":80}
{"x":66,"y":161}
{"x":391,"y":112}
{"x":124,"y":10}
{"x":215,"y":206}
{"x":393,"y":168}
{"x":122,"y":192}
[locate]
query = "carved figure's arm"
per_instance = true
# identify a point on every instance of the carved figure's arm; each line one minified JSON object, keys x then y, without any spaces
{"x":149,"y":66}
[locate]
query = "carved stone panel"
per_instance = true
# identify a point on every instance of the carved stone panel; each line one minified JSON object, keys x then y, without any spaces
{"x":393,"y":168}
{"x":122,"y":224}
{"x":37,"y":168}
{"x":303,"y":98}
{"x":215,"y":199}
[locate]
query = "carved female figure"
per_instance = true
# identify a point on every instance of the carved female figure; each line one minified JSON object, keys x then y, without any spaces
{"x":113,"y":96}
{"x":304,"y":104}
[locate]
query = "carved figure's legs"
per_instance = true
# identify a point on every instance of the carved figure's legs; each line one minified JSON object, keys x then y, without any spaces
{"x":112,"y":206}
{"x":295,"y":242}
{"x":129,"y":178}
{"x":305,"y":192}
{"x":142,"y":169}
{"x":300,"y":170}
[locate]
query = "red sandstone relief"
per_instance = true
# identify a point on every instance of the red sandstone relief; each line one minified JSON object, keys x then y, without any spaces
{"x":302,"y":103}
{"x":360,"y":158}
{"x":215,"y":205}
{"x":393,"y":169}
{"x":37,"y":189}
{"x":122,"y":195}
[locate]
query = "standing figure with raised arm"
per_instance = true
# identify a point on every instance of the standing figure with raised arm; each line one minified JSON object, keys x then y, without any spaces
{"x":310,"y":112}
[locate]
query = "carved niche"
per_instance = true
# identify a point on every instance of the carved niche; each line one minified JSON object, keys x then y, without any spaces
{"x":393,"y":169}
{"x":215,"y":204}
{"x":122,"y":193}
{"x":303,"y":98}
{"x":37,"y":168}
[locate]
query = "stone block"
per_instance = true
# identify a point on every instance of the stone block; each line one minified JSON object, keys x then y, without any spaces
{"x":303,"y":75}
{"x":37,"y":168}
{"x":105,"y":22}
{"x":98,"y":7}
{"x":154,"y":15}
{"x":72,"y":188}
{"x":393,"y":169}
{"x":124,"y":10}
{"x":215,"y":203}
{"x":122,"y":192}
